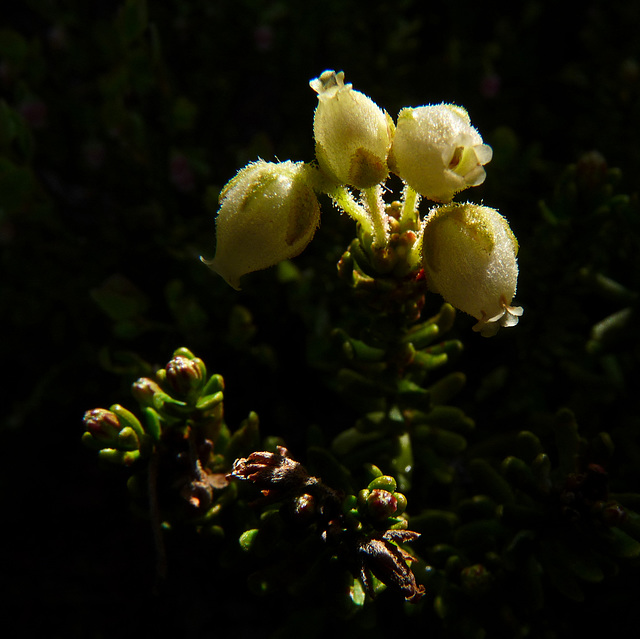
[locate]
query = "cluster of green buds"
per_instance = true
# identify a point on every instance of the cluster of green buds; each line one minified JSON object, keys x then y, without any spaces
{"x":270,"y":211}
{"x":177,"y":447}
{"x":117,"y":434}
{"x":181,"y":390}
{"x":181,"y":415}
{"x":380,"y":504}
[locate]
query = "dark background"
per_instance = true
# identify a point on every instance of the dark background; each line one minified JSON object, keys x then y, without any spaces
{"x":119,"y":127}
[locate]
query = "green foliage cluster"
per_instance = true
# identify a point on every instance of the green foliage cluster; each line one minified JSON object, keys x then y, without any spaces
{"x":119,"y":121}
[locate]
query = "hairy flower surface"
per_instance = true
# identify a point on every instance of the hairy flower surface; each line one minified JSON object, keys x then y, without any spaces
{"x":353,"y":134}
{"x":268,"y":213}
{"x":469,"y":257}
{"x":437,"y":152}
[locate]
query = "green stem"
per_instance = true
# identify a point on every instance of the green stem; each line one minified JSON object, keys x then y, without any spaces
{"x":343,"y":198}
{"x":375,"y":205}
{"x":409,"y":215}
{"x":414,"y":256}
{"x":410,"y":221}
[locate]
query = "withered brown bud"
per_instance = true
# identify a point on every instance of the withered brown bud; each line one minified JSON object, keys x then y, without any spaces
{"x":303,"y":510}
{"x":199,"y":492}
{"x":272,"y":470}
{"x":390,"y":563}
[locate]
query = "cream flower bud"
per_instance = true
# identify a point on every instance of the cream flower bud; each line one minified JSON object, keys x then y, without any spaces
{"x":353,"y":134}
{"x":469,"y":257}
{"x":268,"y":213}
{"x":437,"y":152}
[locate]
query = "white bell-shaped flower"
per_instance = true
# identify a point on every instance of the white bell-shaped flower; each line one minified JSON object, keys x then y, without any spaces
{"x":437,"y":152}
{"x":469,"y":257}
{"x":353,"y":134}
{"x":268,"y":213}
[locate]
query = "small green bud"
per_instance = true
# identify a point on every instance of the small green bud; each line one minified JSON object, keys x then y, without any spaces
{"x":144,"y":389}
{"x":248,"y":539}
{"x":353,"y":134}
{"x":209,"y":402}
{"x":268,"y":213}
{"x":469,"y":257}
{"x":103,"y":425}
{"x":401,"y":503}
{"x":127,"y":419}
{"x":437,"y":152}
{"x":121,"y":457}
{"x":184,"y":375}
{"x":384,"y":482}
{"x":128,"y":439}
{"x":114,"y":433}
{"x":183,"y":351}
{"x":153,"y":422}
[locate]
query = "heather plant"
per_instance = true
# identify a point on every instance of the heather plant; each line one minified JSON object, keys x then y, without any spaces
{"x":396,"y":500}
{"x":312,"y":402}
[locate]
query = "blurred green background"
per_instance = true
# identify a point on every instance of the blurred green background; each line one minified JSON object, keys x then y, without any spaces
{"x":120,"y":122}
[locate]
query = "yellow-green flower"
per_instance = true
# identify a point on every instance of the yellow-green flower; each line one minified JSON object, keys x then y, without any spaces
{"x":437,"y":152}
{"x":469,"y":257}
{"x":353,"y":134}
{"x":268,"y":213}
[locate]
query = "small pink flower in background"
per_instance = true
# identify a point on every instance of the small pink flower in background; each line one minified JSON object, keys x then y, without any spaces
{"x":57,"y":37}
{"x":34,"y":111}
{"x":93,"y":153}
{"x":490,"y":85}
{"x":263,"y":37}
{"x":180,"y":173}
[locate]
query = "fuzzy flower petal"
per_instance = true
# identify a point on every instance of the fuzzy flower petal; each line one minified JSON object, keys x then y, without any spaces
{"x":353,"y":134}
{"x":469,"y":257}
{"x":437,"y":152}
{"x":267,"y":214}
